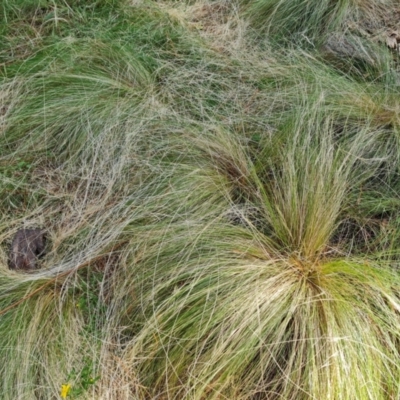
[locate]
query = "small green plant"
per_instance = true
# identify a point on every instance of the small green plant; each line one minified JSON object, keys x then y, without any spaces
{"x":15,"y":167}
{"x":91,"y":305}
{"x":79,"y":381}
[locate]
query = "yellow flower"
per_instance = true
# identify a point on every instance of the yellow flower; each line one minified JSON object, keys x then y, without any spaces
{"x":65,"y":390}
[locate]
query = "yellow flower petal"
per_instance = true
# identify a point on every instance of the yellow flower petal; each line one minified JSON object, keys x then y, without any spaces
{"x":65,"y":390}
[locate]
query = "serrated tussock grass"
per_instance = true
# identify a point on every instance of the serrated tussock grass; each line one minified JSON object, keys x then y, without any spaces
{"x":288,"y":19}
{"x":252,"y":302}
{"x":312,"y":22}
{"x":221,"y":223}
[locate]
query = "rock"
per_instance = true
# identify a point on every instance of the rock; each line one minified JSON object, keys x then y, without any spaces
{"x":27,"y":247}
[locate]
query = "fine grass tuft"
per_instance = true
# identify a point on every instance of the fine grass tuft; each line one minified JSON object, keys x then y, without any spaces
{"x":299,"y":19}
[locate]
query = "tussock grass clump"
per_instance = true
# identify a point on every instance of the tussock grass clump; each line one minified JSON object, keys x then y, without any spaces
{"x":259,"y":306}
{"x":353,"y":36}
{"x":305,"y":21}
{"x":222,"y":216}
{"x":38,"y":331}
{"x":265,"y":328}
{"x":300,"y":18}
{"x":87,"y":92}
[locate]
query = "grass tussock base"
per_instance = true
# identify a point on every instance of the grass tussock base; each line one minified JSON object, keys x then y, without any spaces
{"x":267,"y":329}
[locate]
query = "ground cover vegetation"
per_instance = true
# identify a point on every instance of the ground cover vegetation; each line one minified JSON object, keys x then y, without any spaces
{"x":219,"y":183}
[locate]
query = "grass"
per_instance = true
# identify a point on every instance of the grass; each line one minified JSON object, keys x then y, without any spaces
{"x":221,"y":206}
{"x":298,"y":19}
